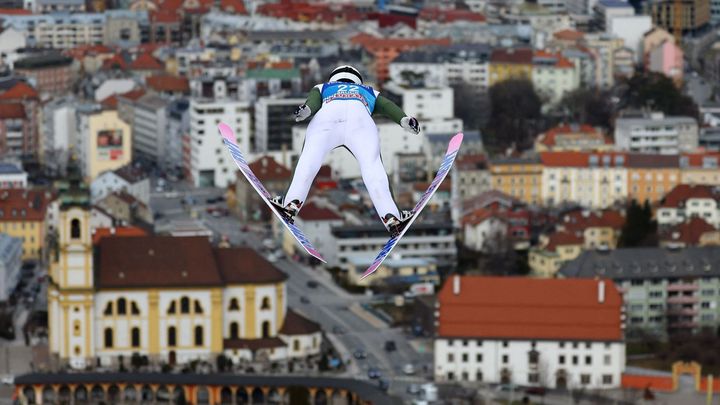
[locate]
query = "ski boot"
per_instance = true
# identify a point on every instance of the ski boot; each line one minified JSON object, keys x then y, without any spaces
{"x":289,"y":211}
{"x":396,"y":225}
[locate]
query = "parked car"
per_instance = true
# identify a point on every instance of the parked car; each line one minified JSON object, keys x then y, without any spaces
{"x":360,"y":354}
{"x":374,"y":373}
{"x":338,"y":330}
{"x":408,"y":369}
{"x":390,"y":346}
{"x":305,"y":300}
{"x":312,"y":284}
{"x":540,"y":391}
{"x":383,"y":384}
{"x":413,"y":389}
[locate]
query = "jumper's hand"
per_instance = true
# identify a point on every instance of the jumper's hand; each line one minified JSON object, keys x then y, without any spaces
{"x":410,"y":124}
{"x":302,"y":112}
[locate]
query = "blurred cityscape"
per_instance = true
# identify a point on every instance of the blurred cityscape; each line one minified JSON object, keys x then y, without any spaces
{"x":571,"y":256}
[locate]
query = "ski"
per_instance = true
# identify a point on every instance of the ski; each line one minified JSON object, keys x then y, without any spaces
{"x":231,"y":143}
{"x":444,"y":169}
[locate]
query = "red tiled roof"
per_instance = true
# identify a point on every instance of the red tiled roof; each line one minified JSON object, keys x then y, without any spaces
{"x":562,"y":239}
{"x":696,"y":159}
{"x":549,"y":137}
{"x":12,"y":111}
{"x":311,"y":212}
{"x":300,"y":11}
{"x":579,"y":221}
{"x":683,"y":192}
{"x":471,"y":162}
{"x":146,"y":61}
{"x":372,"y":43}
{"x":296,"y":324}
{"x":688,"y":232}
{"x":165,"y":16}
{"x":246,"y":266}
{"x":569,"y":35}
{"x":233,"y":6}
{"x":267,"y":169}
{"x":15,"y":11}
{"x":422,"y":186}
{"x":23,"y":205}
{"x":579,"y":159}
{"x":529,"y":308}
{"x":479,"y":216}
{"x":20,"y":91}
{"x":127,"y":198}
{"x":519,"y":56}
{"x":110,"y":102}
{"x":449,"y":15}
{"x":133,"y":94}
{"x":168,"y":83}
{"x":115,"y":62}
{"x":171,"y":4}
{"x":119,"y":232}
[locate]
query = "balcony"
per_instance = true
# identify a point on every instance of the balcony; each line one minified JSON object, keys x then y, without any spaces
{"x":684,"y":325}
{"x":682,"y":287}
{"x":682,"y":300}
{"x":683,"y":311}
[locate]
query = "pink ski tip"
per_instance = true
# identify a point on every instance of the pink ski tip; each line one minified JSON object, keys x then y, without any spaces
{"x":455,"y":142}
{"x":226,"y":132}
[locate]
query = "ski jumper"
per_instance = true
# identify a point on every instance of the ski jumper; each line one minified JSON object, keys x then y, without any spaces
{"x":343,"y":117}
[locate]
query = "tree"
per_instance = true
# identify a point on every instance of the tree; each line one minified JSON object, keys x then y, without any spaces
{"x":587,"y":106}
{"x":470,"y":107}
{"x":639,"y":228}
{"x":658,"y":92}
{"x":515,"y":115}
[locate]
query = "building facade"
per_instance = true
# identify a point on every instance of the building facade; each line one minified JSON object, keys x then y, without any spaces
{"x":104,"y":142}
{"x":656,"y":133}
{"x":519,"y":178}
{"x":22,"y":216}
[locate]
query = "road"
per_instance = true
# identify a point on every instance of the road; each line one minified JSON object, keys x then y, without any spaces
{"x":328,"y":304}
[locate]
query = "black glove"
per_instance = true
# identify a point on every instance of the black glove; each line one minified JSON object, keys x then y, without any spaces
{"x":410,"y":124}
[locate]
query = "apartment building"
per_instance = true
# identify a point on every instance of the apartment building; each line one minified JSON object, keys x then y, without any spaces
{"x":552,"y":333}
{"x":104,"y":141}
{"x":10,"y":262}
{"x":656,"y":133}
{"x":510,"y":63}
{"x":150,"y":130}
{"x":553,"y":76}
{"x":12,"y":176}
{"x":273,"y":123}
{"x":572,"y":137}
{"x":664,"y":289}
{"x":686,"y":201}
{"x":22,"y":216}
{"x":650,"y":177}
{"x":19,"y":119}
{"x":520,"y":178}
{"x":60,"y":30}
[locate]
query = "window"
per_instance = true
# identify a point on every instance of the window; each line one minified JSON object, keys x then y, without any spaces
{"x":575,"y":345}
{"x":198,"y":308}
{"x":588,"y":360}
{"x":465,"y":358}
{"x":108,"y":338}
{"x":533,"y":378}
{"x":76,"y":328}
{"x":75,"y":229}
{"x":135,"y":337}
{"x":478,"y":358}
{"x":199,"y":335}
{"x":121,"y":306}
{"x":451,"y":357}
{"x":108,"y":308}
{"x":562,"y":345}
{"x":450,"y":376}
{"x":265,"y":303}
{"x":584,"y":379}
{"x":606,"y":359}
{"x":172,"y":336}
{"x":505,"y":359}
{"x":185,"y":305}
{"x":134,"y":308}
{"x":171,"y":308}
{"x":574,"y":360}
{"x":234,"y":305}
{"x":607,"y":379}
{"x":478,"y":376}
{"x":266,"y":329}
{"x":505,"y":343}
{"x":235,"y":330}
{"x":561,"y":359}
{"x":296,"y":345}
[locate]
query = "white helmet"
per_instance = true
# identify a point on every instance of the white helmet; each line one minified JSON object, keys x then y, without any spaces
{"x":346,"y":73}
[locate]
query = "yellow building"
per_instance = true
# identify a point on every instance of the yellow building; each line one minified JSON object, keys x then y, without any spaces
{"x":169,"y":299}
{"x":22,"y":215}
{"x":520,"y":178}
{"x":105,"y":142}
{"x":598,"y":229}
{"x":650,"y":177}
{"x":700,"y":168}
{"x":510,"y":63}
{"x":553,"y":251}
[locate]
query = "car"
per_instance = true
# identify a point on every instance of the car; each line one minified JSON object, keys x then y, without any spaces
{"x":305,"y":300}
{"x":390,"y":346}
{"x":408,"y":369}
{"x":539,"y":391}
{"x":383,"y":384}
{"x":413,"y":389}
{"x":7,"y":379}
{"x":312,"y":284}
{"x":374,"y":373}
{"x":338,"y":330}
{"x":360,"y":354}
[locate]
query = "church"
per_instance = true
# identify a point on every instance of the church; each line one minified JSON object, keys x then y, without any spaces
{"x":171,"y":299}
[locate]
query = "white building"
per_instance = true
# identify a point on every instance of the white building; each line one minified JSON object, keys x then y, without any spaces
{"x":12,"y":176}
{"x":11,"y":40}
{"x":656,"y":133}
{"x":274,"y":123}
{"x":483,"y":231}
{"x":553,"y":76}
{"x":210,"y":162}
{"x":686,"y":201}
{"x":606,"y":10}
{"x":178,"y":130}
{"x":58,"y":131}
{"x":11,"y":252}
{"x":427,"y":104}
{"x":466,"y":64}
{"x":631,"y":29}
{"x":553,"y":333}
{"x":127,"y":179}
{"x":59,"y":30}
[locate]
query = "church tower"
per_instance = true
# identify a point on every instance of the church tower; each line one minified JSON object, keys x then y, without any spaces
{"x":70,"y":292}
